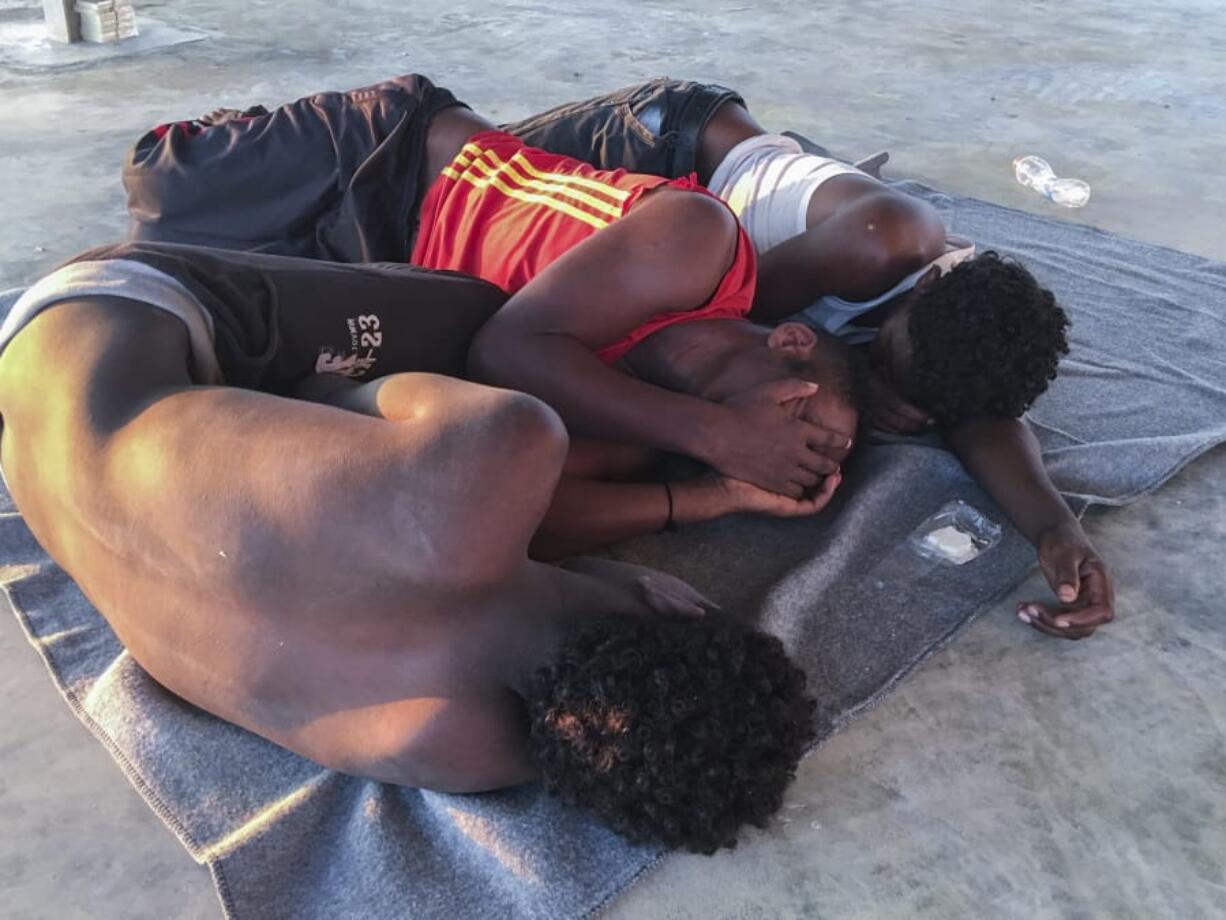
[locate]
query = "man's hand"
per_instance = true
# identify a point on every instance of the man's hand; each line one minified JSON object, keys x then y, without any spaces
{"x":1003,"y":456}
{"x":890,"y":411}
{"x":746,"y":497}
{"x":1081,"y":582}
{"x":762,"y":441}
{"x":651,"y":591}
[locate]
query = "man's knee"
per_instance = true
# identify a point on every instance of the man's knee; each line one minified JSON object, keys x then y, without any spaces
{"x":523,"y":428}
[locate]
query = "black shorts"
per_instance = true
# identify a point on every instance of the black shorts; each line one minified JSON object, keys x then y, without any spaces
{"x":651,"y":128}
{"x":278,"y":320}
{"x":332,"y":176}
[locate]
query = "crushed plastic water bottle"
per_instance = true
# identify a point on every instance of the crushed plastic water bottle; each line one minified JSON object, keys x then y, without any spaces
{"x":1036,"y":173}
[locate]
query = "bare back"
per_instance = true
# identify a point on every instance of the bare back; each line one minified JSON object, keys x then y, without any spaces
{"x":294,"y":568}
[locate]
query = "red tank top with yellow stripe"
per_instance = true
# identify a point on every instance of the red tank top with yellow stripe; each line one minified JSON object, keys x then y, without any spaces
{"x":503,"y":212}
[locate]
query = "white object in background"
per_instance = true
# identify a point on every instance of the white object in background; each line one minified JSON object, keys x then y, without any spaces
{"x":1036,"y":173}
{"x":106,"y":20}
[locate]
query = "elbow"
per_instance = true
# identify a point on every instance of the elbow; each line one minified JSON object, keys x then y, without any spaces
{"x":505,"y":354}
{"x":495,"y":356}
{"x":902,"y":235}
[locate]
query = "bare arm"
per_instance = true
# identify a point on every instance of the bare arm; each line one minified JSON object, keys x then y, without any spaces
{"x":586,"y":514}
{"x":667,"y":255}
{"x":607,"y":460}
{"x":858,"y":252}
{"x":1003,"y":456}
{"x":543,"y":340}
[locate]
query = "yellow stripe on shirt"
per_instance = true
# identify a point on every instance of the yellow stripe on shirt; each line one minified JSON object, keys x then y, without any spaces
{"x":510,"y":171}
{"x":618,"y":196}
{"x":495,"y":181}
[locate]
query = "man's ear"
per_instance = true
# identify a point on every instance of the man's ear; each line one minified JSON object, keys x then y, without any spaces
{"x":795,"y":339}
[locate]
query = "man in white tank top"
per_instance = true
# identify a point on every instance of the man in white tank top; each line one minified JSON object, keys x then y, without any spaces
{"x":862,"y":260}
{"x":961,"y":340}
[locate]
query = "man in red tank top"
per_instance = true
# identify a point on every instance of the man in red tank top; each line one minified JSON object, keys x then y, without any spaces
{"x":600,"y":265}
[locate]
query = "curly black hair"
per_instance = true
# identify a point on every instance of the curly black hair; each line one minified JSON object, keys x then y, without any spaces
{"x":986,"y":340}
{"x":672,"y":730}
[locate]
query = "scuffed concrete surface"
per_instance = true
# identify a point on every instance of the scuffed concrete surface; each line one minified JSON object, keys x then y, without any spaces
{"x":1012,"y":776}
{"x":26,"y":48}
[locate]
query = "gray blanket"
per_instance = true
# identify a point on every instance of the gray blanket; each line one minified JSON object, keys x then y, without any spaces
{"x":1143,"y":392}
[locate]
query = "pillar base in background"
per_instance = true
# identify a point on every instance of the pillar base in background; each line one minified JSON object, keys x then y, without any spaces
{"x":25,"y":46}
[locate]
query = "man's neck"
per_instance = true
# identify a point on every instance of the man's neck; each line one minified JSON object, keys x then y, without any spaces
{"x":873,"y":319}
{"x":694,"y":358}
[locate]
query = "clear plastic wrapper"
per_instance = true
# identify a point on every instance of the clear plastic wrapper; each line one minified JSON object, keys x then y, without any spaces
{"x":955,"y":535}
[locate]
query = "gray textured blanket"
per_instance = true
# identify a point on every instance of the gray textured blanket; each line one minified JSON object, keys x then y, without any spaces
{"x":1143,"y":392}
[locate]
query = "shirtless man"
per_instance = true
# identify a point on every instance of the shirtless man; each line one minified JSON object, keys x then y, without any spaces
{"x":966,"y":342}
{"x":355,"y":589}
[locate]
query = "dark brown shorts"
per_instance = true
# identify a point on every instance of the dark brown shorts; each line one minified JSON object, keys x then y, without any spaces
{"x":332,"y":176}
{"x":651,"y":128}
{"x":278,"y":319}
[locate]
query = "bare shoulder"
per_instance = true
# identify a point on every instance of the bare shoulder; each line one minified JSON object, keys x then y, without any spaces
{"x":69,"y":380}
{"x":684,"y":238}
{"x":481,"y":744}
{"x":690,"y":215}
{"x":870,"y":234}
{"x":458,"y":745}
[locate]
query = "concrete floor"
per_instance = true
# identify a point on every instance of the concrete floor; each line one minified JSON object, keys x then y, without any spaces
{"x":1012,"y":776}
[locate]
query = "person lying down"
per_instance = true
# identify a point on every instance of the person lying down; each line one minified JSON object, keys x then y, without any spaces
{"x":310,"y":526}
{"x":306,"y":538}
{"x":358,"y":589}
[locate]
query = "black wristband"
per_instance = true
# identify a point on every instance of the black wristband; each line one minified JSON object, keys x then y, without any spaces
{"x":670,"y":526}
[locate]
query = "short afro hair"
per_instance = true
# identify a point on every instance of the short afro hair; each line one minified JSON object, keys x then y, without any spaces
{"x":674,"y":731}
{"x":986,"y":340}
